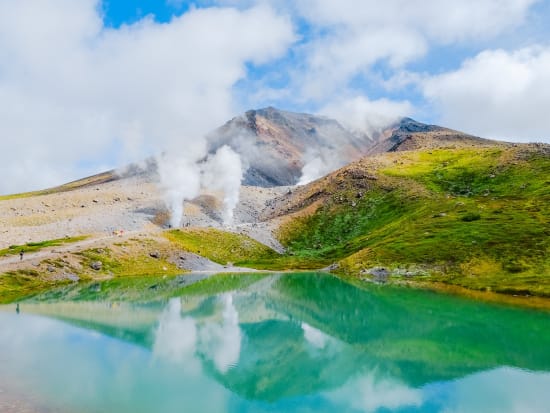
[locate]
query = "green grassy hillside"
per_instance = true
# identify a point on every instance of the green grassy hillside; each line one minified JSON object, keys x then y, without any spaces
{"x":220,"y":246}
{"x":229,"y":248}
{"x":477,"y":218}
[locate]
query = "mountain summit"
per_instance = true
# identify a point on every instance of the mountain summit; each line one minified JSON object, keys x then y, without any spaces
{"x":280,"y":147}
{"x":275,"y":145}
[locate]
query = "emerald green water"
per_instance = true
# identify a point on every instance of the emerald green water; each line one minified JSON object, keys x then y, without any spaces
{"x":270,"y":343}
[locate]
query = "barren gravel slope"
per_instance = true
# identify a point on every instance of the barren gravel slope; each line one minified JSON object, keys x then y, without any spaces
{"x":126,"y":204}
{"x":111,"y":212}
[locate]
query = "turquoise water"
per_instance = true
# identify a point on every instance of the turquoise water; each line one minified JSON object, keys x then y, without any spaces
{"x":271,"y":343}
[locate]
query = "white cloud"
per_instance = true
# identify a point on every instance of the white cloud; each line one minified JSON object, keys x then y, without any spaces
{"x":368,"y":393}
{"x":497,"y":94}
{"x":446,"y":20}
{"x":72,"y":90}
{"x":314,"y":336}
{"x":370,"y":116}
{"x":503,"y":390}
{"x":353,"y":37}
{"x":332,"y":61}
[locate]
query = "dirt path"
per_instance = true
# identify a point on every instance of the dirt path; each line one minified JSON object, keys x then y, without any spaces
{"x":14,"y":262}
{"x":49,"y":252}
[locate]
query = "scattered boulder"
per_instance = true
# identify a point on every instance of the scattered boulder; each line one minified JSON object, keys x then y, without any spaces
{"x":96,"y":265}
{"x":379,"y":274}
{"x":332,"y":267}
{"x":50,"y":268}
{"x":154,"y":254}
{"x":72,"y":277}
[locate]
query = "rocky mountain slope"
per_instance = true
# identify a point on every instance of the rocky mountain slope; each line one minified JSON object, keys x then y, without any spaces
{"x":408,"y":134}
{"x":276,"y":145}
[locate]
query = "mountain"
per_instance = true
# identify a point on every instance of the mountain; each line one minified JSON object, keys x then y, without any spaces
{"x":276,"y":145}
{"x":408,"y":134}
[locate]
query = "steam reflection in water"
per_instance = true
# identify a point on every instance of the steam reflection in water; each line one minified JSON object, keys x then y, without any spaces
{"x":180,"y":338}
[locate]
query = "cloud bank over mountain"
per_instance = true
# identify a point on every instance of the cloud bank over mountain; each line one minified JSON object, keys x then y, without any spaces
{"x":497,"y":94}
{"x":74,"y":92}
{"x":79,"y":94}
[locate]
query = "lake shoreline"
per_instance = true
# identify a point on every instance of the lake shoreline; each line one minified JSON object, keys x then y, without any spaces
{"x":522,"y":301}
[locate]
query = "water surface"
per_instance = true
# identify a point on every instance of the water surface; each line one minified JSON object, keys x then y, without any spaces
{"x":270,"y":343}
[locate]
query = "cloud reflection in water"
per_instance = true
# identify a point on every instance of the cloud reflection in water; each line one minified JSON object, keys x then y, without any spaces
{"x":179,"y":338}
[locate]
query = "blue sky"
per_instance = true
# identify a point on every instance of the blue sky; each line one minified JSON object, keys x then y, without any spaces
{"x":92,"y":84}
{"x":118,"y":12}
{"x":527,"y":29}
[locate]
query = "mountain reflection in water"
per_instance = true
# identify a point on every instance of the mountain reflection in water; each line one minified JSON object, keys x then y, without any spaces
{"x":273,"y":343}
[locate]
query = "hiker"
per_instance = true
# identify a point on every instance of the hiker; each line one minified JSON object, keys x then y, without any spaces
{"x":17,"y":308}
{"x":21,"y":255}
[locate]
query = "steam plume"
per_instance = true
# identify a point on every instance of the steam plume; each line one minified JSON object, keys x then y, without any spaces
{"x":321,"y":162}
{"x":365,"y":119}
{"x":182,"y":178}
{"x":180,"y":181}
{"x":223,"y":171}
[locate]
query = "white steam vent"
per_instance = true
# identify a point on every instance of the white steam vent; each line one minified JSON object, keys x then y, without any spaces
{"x":223,"y":171}
{"x":182,"y":178}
